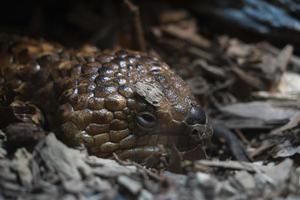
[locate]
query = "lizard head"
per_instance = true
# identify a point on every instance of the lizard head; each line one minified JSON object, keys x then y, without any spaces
{"x":128,"y":102}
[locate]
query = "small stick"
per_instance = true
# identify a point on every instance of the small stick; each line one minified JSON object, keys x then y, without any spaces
{"x":242,"y":136}
{"x":140,"y":167}
{"x":141,"y":42}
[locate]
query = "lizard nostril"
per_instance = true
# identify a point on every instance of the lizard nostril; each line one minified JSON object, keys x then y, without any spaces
{"x":195,"y":132}
{"x":196,"y":116}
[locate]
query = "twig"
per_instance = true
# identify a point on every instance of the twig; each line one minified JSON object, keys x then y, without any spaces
{"x":234,"y":165}
{"x":242,"y":136}
{"x":293,"y":122}
{"x":190,"y":37}
{"x":233,"y":143}
{"x":263,"y":148}
{"x":149,"y":173}
{"x":250,"y":80}
{"x":139,"y":33}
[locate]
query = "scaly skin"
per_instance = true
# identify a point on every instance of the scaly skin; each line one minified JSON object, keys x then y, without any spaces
{"x":111,"y":101}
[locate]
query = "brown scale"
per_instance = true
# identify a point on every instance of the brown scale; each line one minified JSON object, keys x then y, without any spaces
{"x":111,"y":101}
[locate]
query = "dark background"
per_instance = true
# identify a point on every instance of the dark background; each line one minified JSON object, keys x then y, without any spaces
{"x":106,"y":23}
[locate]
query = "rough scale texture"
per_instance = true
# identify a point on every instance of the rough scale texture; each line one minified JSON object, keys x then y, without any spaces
{"x":111,"y":101}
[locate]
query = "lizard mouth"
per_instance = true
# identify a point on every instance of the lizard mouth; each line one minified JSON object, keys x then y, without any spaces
{"x":198,"y":126}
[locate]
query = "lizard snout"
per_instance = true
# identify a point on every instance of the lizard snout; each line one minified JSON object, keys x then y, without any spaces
{"x":196,"y":116}
{"x":198,"y":125}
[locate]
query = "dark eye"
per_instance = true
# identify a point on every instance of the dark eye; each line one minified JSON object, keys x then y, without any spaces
{"x":146,"y":120}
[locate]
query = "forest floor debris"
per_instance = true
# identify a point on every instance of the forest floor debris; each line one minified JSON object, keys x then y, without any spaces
{"x":251,"y":89}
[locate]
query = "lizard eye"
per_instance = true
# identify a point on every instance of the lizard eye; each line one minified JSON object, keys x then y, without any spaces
{"x":146,"y":120}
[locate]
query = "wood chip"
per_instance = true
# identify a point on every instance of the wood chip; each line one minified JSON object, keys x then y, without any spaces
{"x":133,"y":186}
{"x":233,"y":165}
